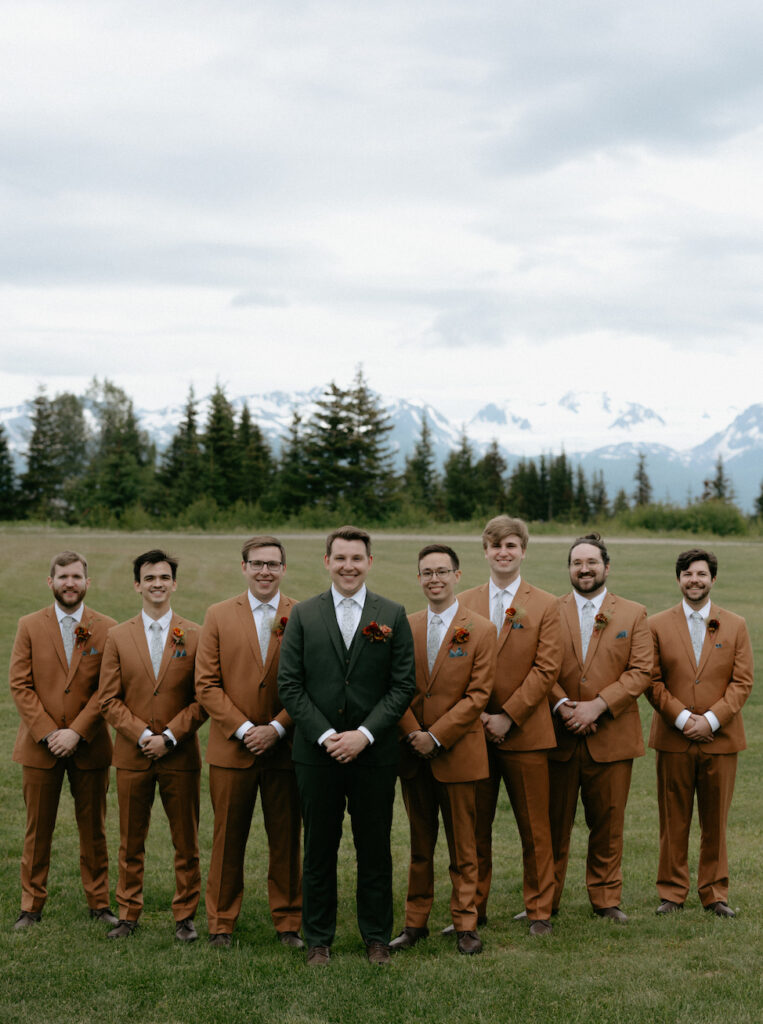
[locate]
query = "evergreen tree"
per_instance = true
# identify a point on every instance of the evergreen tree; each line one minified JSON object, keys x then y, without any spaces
{"x":256,"y":469}
{"x":291,"y":483}
{"x":599,"y":502}
{"x":642,"y":495}
{"x":582,"y":504}
{"x":220,"y":450}
{"x":8,"y":496}
{"x":459,"y":481}
{"x":372,"y":484}
{"x":490,"y":485}
{"x":40,"y":482}
{"x":181,"y":473}
{"x":328,"y":448}
{"x":719,"y":488}
{"x":544,"y":491}
{"x":420,"y":477}
{"x":759,"y":503}
{"x":120,"y":472}
{"x":620,"y":504}
{"x":561,"y":493}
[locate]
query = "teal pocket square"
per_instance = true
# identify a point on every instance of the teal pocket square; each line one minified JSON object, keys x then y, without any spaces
{"x":456,"y":652}
{"x":622,"y":634}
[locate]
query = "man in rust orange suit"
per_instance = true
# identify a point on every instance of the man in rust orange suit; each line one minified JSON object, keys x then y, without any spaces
{"x":606,"y":665}
{"x":517,"y":721}
{"x":147,"y":694}
{"x":702,"y":676}
{"x":54,"y":672}
{"x":249,"y":744}
{"x":444,"y":751}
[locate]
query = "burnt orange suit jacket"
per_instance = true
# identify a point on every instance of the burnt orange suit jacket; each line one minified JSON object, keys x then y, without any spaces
{"x":233,"y":685}
{"x":132,"y":699}
{"x":450,"y":700}
{"x":618,"y":668}
{"x":721,"y":683}
{"x":529,"y":656}
{"x":50,"y":694}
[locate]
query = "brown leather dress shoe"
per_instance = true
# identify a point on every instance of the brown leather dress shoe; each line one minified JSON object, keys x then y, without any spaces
{"x":123,"y":930}
{"x":612,"y":913}
{"x":318,"y":956}
{"x":451,"y":929}
{"x":539,"y":928}
{"x":221,"y":939}
{"x":290,"y":939}
{"x":408,"y":937}
{"x":185,"y":930}
{"x":720,"y":909}
{"x":469,"y":943}
{"x":669,"y":907}
{"x":26,"y":919}
{"x":104,"y":914}
{"x":377,"y":953}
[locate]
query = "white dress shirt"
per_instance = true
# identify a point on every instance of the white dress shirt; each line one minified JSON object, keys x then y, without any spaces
{"x":257,"y":612}
{"x":164,"y":624}
{"x":358,"y":601}
{"x":685,"y":715}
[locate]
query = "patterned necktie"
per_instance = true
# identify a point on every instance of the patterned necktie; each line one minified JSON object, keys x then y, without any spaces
{"x":499,"y":612}
{"x":696,"y":628}
{"x":586,"y":627}
{"x":434,"y":639}
{"x":267,"y":614}
{"x":347,"y":621}
{"x":67,"y":632}
{"x":156,"y":650}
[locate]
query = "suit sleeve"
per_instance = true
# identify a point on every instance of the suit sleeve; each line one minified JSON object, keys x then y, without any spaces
{"x":111,"y":694}
{"x":658,"y":695}
{"x":387,"y":712}
{"x":740,"y":684}
{"x":291,"y":681}
{"x":635,"y":678}
{"x":209,"y":680}
{"x":30,"y":707}
{"x":537,"y":684}
{"x":458,"y":720}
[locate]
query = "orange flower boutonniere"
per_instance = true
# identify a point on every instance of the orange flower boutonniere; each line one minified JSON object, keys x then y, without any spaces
{"x":81,"y":636}
{"x":460,"y":636}
{"x":513,"y":617}
{"x":601,"y":621}
{"x":376,"y":633}
{"x":280,"y":626}
{"x":177,"y":637}
{"x":713,"y":625}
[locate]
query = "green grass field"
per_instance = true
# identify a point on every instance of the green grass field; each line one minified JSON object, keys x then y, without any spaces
{"x":690,"y":968}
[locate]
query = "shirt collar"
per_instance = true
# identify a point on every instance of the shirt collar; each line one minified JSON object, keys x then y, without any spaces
{"x":359,"y":597}
{"x":580,"y":600}
{"x":60,"y":614}
{"x":447,"y":616}
{"x":704,"y":611}
{"x":511,"y":590}
{"x":273,"y":603}
{"x":164,"y":622}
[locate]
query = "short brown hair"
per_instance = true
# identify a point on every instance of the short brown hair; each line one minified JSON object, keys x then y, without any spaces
{"x":262,"y":541}
{"x":686,"y":558}
{"x":439,"y":549}
{"x":590,"y":538}
{"x":348,"y":533}
{"x":504,"y":526}
{"x":154,"y":557}
{"x":66,"y":558}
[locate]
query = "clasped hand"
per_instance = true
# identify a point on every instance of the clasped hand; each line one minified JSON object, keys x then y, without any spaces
{"x":345,"y":746}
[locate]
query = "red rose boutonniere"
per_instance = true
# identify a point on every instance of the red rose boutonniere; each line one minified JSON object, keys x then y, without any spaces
{"x":81,"y":636}
{"x":280,"y":626}
{"x":601,"y":621}
{"x":513,"y":617}
{"x":712,"y":625}
{"x":376,"y":633}
{"x":177,"y":637}
{"x":460,"y":636}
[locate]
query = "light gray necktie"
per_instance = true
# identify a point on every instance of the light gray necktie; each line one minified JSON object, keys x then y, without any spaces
{"x":697,"y":634}
{"x":434,"y":639}
{"x":347,"y":621}
{"x":499,"y":612}
{"x":267,"y":614}
{"x":67,"y":633}
{"x":586,"y":627}
{"x":156,"y":650}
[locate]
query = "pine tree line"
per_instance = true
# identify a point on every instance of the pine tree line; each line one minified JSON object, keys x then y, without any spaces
{"x":90,"y":463}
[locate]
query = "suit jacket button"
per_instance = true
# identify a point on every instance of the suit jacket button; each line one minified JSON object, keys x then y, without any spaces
{"x":66,"y":690}
{"x":427,"y":694}
{"x":696,"y":682}
{"x":340,"y":711}
{"x":583,"y":679}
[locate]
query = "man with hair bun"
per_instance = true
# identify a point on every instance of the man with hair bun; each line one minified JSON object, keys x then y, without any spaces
{"x":702,"y":676}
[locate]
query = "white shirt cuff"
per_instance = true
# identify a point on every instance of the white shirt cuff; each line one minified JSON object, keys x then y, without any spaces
{"x":714,"y":723}
{"x":146,"y":734}
{"x":434,"y":738}
{"x":682,"y":719}
{"x":243,"y":729}
{"x":366,"y":733}
{"x":168,"y":732}
{"x":559,"y":703}
{"x":278,"y":728}
{"x":324,"y":736}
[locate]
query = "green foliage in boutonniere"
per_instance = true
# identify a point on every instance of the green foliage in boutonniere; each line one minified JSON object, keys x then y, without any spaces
{"x":280,"y":626}
{"x":513,"y":617}
{"x":376,"y":633}
{"x":601,"y":621}
{"x":177,"y":637}
{"x":81,"y":636}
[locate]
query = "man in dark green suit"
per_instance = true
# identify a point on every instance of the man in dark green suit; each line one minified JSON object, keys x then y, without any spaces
{"x":346,"y":675}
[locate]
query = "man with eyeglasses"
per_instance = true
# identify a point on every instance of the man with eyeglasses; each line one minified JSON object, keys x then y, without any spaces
{"x":444,"y":752}
{"x":606,"y":665}
{"x":249,"y":746}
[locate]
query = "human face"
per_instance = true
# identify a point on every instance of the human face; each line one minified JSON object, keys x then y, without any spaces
{"x":439,"y":590}
{"x":263,"y":583}
{"x":156,"y":587}
{"x":505,"y":559}
{"x":69,"y":585}
{"x":588,"y":573}
{"x":348,"y":565}
{"x":696,"y":582}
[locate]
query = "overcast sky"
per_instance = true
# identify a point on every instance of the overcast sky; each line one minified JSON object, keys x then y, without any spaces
{"x":475,"y":200}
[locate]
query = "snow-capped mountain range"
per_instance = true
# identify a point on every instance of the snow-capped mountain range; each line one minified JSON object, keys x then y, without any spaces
{"x":591,"y":427}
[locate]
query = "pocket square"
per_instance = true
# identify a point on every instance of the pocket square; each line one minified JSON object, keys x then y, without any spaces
{"x":456,"y":652}
{"x":719,"y":645}
{"x":517,"y":625}
{"x":622,"y":634}
{"x":179,"y":654}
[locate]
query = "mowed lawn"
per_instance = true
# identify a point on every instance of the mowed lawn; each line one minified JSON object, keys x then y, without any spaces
{"x":690,"y":967}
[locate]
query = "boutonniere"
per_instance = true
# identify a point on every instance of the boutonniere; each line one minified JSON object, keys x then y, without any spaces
{"x":177,"y":637}
{"x":513,"y":616}
{"x":376,"y":633}
{"x":712,"y":625}
{"x":460,"y":636}
{"x":280,"y":626}
{"x":601,"y":621}
{"x":81,"y":636}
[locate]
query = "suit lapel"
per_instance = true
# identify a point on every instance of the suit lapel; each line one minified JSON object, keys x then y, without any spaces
{"x":284,"y":607}
{"x":369,"y":614}
{"x":570,"y":612}
{"x":682,"y":630}
{"x":520,"y":601}
{"x":141,"y":645}
{"x":608,"y":608}
{"x":707,"y":644}
{"x":419,"y":631}
{"x":248,"y":628}
{"x":78,"y":649}
{"x":169,"y":651}
{"x":459,"y":619}
{"x":332,"y":626}
{"x":54,"y":632}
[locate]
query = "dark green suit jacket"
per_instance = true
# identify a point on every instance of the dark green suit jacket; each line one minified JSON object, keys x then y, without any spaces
{"x":324,"y":685}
